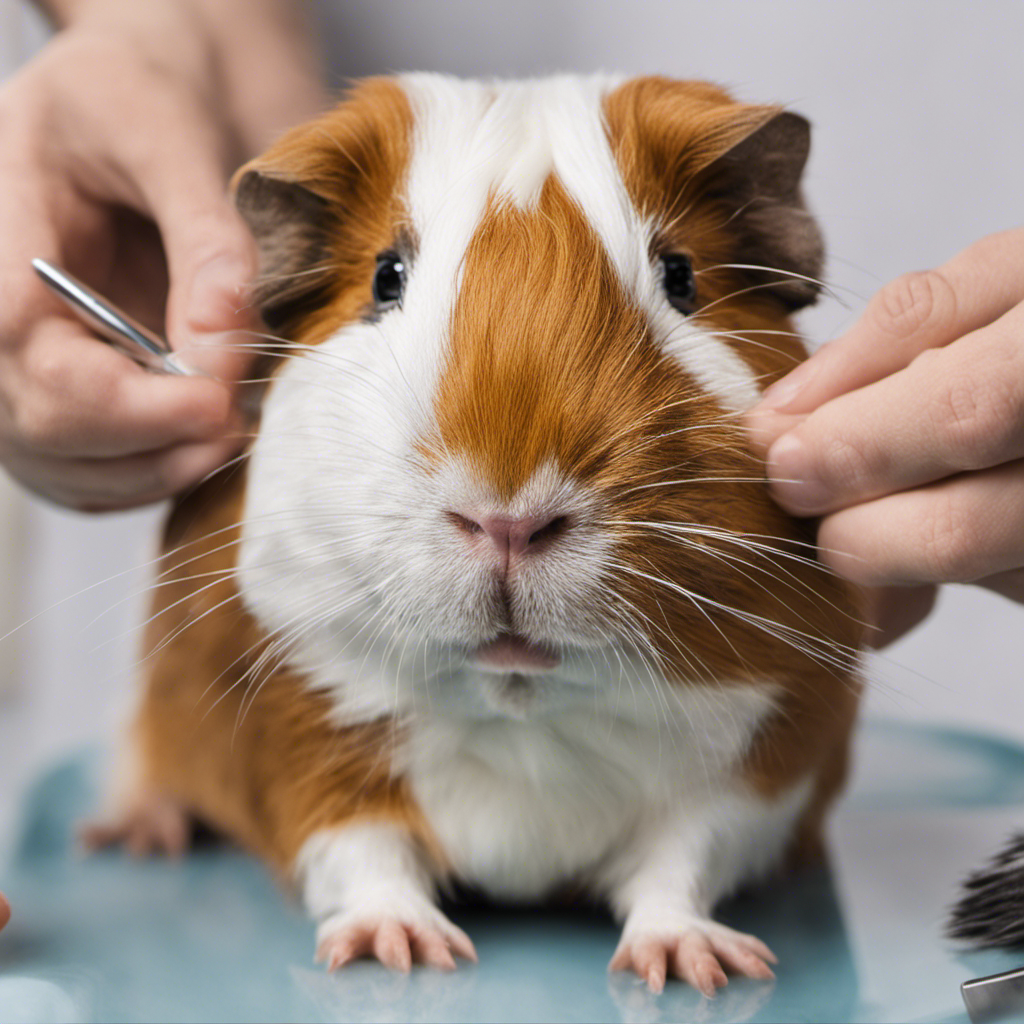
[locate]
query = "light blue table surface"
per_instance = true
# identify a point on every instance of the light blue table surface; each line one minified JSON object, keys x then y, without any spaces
{"x":212,"y":938}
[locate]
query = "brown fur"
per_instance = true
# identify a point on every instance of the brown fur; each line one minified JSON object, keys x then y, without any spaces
{"x":341,"y":177}
{"x":255,"y":756}
{"x":670,"y":139}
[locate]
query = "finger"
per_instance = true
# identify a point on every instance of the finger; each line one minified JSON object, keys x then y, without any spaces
{"x":957,"y":531}
{"x":955,"y":409}
{"x":5,"y":910}
{"x":765,"y":428}
{"x":211,"y":254}
{"x":918,"y":311}
{"x":106,"y":485}
{"x":72,"y":395}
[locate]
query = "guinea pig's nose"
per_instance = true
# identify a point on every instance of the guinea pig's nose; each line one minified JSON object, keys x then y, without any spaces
{"x":512,"y":537}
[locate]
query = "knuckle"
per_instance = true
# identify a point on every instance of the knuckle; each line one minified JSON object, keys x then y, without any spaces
{"x":21,"y":302}
{"x":38,"y":423}
{"x":914,"y":302}
{"x":845,"y":468}
{"x":49,"y":369}
{"x":949,"y":540}
{"x":977,"y":420}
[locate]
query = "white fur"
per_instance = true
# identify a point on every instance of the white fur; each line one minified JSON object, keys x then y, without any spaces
{"x":509,"y":137}
{"x":678,"y":867}
{"x":643,"y":807}
{"x":523,"y":806}
{"x":364,"y":874}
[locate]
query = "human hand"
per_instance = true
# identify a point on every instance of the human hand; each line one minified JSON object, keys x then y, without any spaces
{"x":906,"y":435}
{"x":5,"y":911}
{"x":115,"y":148}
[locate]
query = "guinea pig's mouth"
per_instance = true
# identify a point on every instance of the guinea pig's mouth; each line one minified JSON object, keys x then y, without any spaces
{"x":514,"y":653}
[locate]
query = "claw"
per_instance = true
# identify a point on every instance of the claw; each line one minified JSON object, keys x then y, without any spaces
{"x":396,"y":944}
{"x":699,"y":953}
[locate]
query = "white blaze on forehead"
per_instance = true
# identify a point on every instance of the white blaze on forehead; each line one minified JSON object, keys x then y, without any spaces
{"x":475,"y":142}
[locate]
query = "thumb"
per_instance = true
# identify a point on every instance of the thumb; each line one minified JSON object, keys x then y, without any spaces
{"x":210,"y":318}
{"x":212,"y":259}
{"x":211,"y":254}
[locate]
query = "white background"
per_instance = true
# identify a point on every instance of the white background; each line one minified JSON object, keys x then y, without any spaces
{"x":919,"y":149}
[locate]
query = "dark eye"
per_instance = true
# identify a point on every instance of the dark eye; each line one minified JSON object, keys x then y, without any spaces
{"x":388,"y":280}
{"x":679,"y":282}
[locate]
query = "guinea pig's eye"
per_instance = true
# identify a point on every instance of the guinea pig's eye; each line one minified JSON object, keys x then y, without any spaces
{"x":679,"y":282}
{"x":388,"y":280}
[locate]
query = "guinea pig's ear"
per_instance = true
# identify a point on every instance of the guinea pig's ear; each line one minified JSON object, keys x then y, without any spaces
{"x":759,"y":176}
{"x":323,"y":201}
{"x":684,"y":147}
{"x":292,"y":227}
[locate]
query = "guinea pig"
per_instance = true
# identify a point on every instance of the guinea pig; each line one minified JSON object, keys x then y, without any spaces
{"x":499,"y":597}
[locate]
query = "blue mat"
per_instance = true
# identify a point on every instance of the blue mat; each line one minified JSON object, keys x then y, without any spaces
{"x":212,"y":938}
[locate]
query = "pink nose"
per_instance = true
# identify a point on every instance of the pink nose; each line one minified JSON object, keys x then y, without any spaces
{"x":512,"y":537}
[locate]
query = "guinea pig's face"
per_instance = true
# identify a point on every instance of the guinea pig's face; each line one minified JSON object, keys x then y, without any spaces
{"x":515,"y":325}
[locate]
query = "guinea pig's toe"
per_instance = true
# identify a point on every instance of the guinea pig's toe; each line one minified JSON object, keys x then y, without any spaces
{"x":392,"y":946}
{"x":694,"y":961}
{"x":647,"y":955}
{"x":432,"y":948}
{"x":703,"y":954}
{"x":343,"y":946}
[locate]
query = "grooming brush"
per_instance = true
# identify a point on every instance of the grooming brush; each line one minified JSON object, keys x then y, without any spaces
{"x":990,"y":911}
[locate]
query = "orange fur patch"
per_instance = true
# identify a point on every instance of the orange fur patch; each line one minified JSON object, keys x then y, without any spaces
{"x":538,"y":367}
{"x":355,"y":158}
{"x":248,"y":749}
{"x":666,"y":135}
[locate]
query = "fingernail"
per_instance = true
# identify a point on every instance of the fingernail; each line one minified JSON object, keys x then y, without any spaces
{"x":783,"y":392}
{"x":212,"y":353}
{"x":765,"y":426}
{"x":792,"y":480}
{"x":218,"y":295}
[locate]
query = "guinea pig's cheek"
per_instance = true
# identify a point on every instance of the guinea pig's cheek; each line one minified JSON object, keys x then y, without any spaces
{"x":311,"y":489}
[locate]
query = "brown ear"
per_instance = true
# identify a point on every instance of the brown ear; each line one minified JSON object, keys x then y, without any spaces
{"x":760,"y":177}
{"x":292,"y":227}
{"x":323,"y":201}
{"x":686,"y":143}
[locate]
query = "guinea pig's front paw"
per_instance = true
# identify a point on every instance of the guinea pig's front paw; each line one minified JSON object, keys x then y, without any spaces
{"x":397,"y":939}
{"x":698,"y":951}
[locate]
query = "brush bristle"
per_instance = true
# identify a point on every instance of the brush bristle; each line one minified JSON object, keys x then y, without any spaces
{"x":990,"y":912}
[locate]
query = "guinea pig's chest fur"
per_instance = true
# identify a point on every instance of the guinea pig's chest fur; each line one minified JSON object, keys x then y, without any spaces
{"x":524,"y":805}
